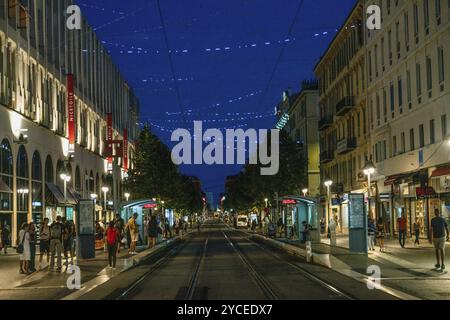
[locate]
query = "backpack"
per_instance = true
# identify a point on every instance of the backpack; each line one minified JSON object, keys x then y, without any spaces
{"x":111,"y":236}
{"x":56,"y":231}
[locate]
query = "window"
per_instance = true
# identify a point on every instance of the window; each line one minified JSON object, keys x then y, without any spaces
{"x":426,"y":15}
{"x":421,"y":136}
{"x":411,"y":140}
{"x":385,"y":105}
{"x":22,"y":183}
{"x":416,"y":22}
{"x":390,"y":46}
{"x":441,"y":67}
{"x":397,"y":39}
{"x":37,"y":192}
{"x":370,"y":66}
{"x":376,"y":60}
{"x":394,"y":146}
{"x":392,"y":100}
{"x":402,"y":143}
{"x":382,"y":54}
{"x":6,"y":175}
{"x":406,"y":22}
{"x":418,"y":82}
{"x":400,"y":95}
{"x":438,"y":11}
{"x":378,"y":111}
{"x":429,"y":77}
{"x":432,"y":132}
{"x":444,"y":125}
{"x":408,"y":88}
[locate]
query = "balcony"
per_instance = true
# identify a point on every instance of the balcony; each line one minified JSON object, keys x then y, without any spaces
{"x":326,"y":156}
{"x":325,"y":123}
{"x":346,"y":145}
{"x":344,"y":106}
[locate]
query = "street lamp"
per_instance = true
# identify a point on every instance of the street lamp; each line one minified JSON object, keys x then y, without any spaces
{"x":266,"y":201}
{"x":328,"y":183}
{"x":105,"y":190}
{"x":65,"y":178}
{"x":369,"y":170}
{"x":127,"y":195}
{"x":305,"y":192}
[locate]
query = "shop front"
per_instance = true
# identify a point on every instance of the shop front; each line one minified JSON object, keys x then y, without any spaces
{"x":56,"y":204}
{"x":440,"y":181}
{"x":297,"y":210}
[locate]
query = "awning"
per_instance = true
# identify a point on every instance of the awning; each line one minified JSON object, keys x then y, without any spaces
{"x":442,"y":171}
{"x":59,"y":195}
{"x":392,"y":179}
{"x":4,"y":187}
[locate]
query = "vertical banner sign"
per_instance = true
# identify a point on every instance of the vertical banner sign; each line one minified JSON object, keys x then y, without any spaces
{"x":71,"y":112}
{"x":125,"y":150}
{"x":109,"y":141}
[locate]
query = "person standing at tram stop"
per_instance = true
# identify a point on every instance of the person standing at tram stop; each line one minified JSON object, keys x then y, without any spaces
{"x":332,"y":231}
{"x":402,"y":230}
{"x":439,"y":229}
{"x":112,"y":240}
{"x":152,"y":231}
{"x":371,"y":230}
{"x":132,"y":227}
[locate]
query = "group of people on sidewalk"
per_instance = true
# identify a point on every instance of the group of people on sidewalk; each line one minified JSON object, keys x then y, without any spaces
{"x":439,"y":235}
{"x":55,"y":240}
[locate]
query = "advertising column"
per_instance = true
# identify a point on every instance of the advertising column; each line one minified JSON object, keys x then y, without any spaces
{"x":71,"y":113}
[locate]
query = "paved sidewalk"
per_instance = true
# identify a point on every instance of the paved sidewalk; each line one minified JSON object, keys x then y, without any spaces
{"x":408,"y":270}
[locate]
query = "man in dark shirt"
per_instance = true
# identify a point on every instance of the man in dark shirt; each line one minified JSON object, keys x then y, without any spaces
{"x":402,"y":230}
{"x":439,"y":229}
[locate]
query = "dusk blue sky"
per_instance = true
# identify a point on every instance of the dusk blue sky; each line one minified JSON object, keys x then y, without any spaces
{"x":222,"y":51}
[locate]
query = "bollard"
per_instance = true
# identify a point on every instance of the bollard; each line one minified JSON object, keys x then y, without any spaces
{"x":308,"y":252}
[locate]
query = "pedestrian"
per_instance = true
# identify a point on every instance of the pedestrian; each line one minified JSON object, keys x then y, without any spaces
{"x":112,"y":240}
{"x":68,"y":236}
{"x":280,"y":227}
{"x":56,"y":243}
{"x":119,"y":224}
{"x":332,"y":231}
{"x":6,"y":237}
{"x":439,"y":229}
{"x":23,"y":248}
{"x":253,"y":224}
{"x":167,"y":230}
{"x":371,"y":231}
{"x":416,"y":231}
{"x":33,"y":236}
{"x":402,"y":230}
{"x":198,"y":225}
{"x":44,"y":243}
{"x":134,"y":233}
{"x":306,"y":231}
{"x":152,"y":231}
{"x":381,"y":233}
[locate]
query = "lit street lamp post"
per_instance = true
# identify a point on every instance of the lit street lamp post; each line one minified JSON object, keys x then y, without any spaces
{"x":328,"y":184}
{"x":127,"y":196}
{"x":369,"y":170}
{"x":305,"y":192}
{"x":105,"y":190}
{"x":65,"y":178}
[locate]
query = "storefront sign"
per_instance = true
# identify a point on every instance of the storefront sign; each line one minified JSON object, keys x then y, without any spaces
{"x":426,"y":192}
{"x":385,"y":196}
{"x":289,"y":201}
{"x":125,"y":150}
{"x":109,"y":146}
{"x":150,"y":205}
{"x":71,"y":112}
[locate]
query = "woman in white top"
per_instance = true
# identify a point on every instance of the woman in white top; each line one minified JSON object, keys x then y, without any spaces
{"x":25,"y":257}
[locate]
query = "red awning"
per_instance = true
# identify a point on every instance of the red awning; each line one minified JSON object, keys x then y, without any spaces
{"x":442,"y":171}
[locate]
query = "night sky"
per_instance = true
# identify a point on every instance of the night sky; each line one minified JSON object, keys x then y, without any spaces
{"x":224,"y":54}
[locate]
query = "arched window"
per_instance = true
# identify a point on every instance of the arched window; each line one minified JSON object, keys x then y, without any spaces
{"x":49,"y":175}
{"x":78,"y":180}
{"x":36,"y":187}
{"x":22,"y":186}
{"x":6,"y":183}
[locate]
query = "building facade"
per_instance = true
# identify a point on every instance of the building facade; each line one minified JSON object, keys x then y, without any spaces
{"x":343,"y":125}
{"x":38,"y":54}
{"x":299,"y":116}
{"x":409,"y":106}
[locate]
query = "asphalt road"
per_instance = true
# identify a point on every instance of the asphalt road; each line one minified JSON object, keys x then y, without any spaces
{"x":221,"y":263}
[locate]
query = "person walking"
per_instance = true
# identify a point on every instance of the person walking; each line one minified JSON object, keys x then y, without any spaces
{"x":33,"y":236}
{"x":381,"y":234}
{"x":440,"y":235}
{"x":69,"y":229}
{"x":371,"y":234}
{"x":56,"y":243}
{"x":402,"y":230}
{"x":134,"y":233}
{"x":23,"y":242}
{"x":332,"y":226}
{"x":416,"y":231}
{"x":44,"y":243}
{"x":119,"y":224}
{"x":152,"y":231}
{"x":5,"y":237}
{"x":112,"y":240}
{"x":280,"y":227}
{"x":167,"y":230}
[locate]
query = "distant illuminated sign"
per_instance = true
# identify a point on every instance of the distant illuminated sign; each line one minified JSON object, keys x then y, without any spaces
{"x":149,"y":205}
{"x":289,"y":201}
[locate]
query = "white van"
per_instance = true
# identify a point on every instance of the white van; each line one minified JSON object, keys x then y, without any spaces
{"x":242,"y":221}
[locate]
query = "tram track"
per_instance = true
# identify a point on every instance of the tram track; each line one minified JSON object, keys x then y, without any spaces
{"x":331,"y":288}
